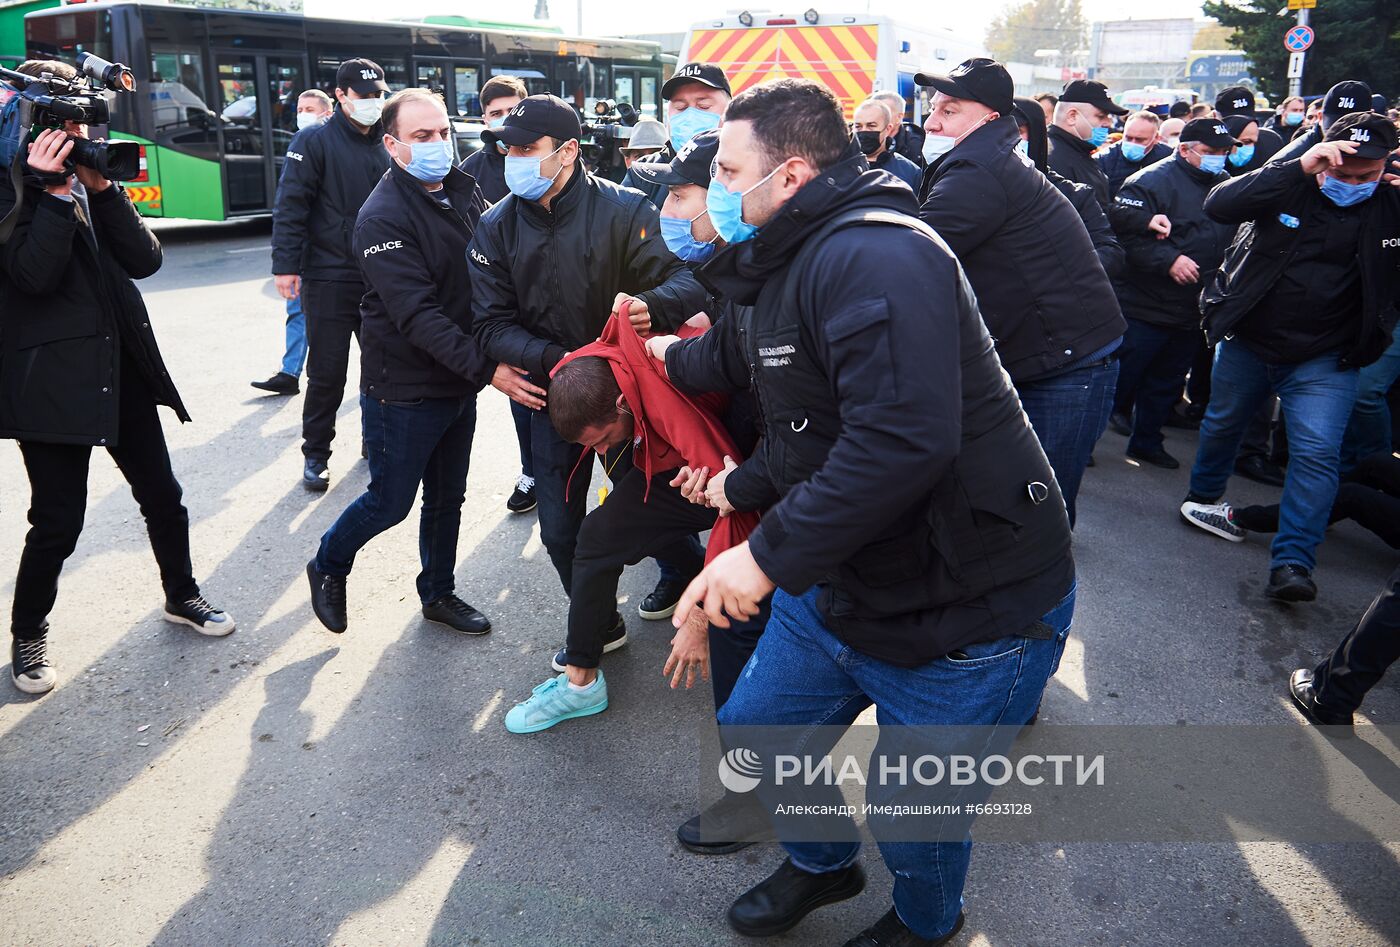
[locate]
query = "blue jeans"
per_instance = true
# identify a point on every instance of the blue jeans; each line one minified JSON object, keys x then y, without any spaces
{"x":295,"y":358}
{"x":801,"y":675}
{"x":1152,"y":372}
{"x":1369,"y":429}
{"x":521,"y":416}
{"x":428,"y":442}
{"x":1069,"y":413}
{"x":1317,"y":396}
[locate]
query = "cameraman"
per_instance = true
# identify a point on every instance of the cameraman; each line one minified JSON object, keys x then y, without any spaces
{"x":79,"y":368}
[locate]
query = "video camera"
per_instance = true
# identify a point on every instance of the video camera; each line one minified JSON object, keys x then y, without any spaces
{"x":605,"y":135}
{"x":48,"y":101}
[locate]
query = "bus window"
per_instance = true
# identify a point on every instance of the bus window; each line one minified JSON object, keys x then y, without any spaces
{"x":647,"y":104}
{"x":536,"y":82}
{"x":467,"y":83}
{"x":64,"y":36}
{"x":624,"y":90}
{"x":431,"y":75}
{"x":180,"y":112}
{"x":395,"y":71}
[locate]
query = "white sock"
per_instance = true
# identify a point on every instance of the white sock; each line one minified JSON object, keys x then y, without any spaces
{"x":586,"y":687}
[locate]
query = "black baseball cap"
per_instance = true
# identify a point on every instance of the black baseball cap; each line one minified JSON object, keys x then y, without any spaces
{"x":1180,"y":109}
{"x":1236,"y":100}
{"x":1236,"y":124}
{"x":361,"y":76}
{"x":691,"y":165}
{"x":1210,"y":132}
{"x":705,"y":73}
{"x":1375,"y":136}
{"x":534,"y":118}
{"x":1345,"y":97}
{"x":1089,"y":92}
{"x":1378,"y":103}
{"x":979,"y":80}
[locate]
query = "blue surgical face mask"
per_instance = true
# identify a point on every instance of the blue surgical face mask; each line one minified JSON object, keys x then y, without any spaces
{"x":1023,"y":148}
{"x":1133,"y":151}
{"x":686,"y":125}
{"x":1343,"y":194}
{"x":524,"y":179}
{"x":1098,"y":136}
{"x":1293,"y":118}
{"x":496,"y":122}
{"x":1242,"y":156}
{"x":680,"y":239}
{"x":431,"y":160}
{"x":1213,"y":164}
{"x":726,"y":209}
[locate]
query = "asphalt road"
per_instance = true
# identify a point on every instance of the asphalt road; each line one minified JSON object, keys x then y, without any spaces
{"x":289,"y":786}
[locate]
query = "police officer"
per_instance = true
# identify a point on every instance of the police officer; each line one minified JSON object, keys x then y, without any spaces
{"x":882,"y":413}
{"x":1083,"y":117}
{"x":1237,"y":100}
{"x":696,"y":96}
{"x":1347,"y":96}
{"x":875,"y":129}
{"x":908,"y":140}
{"x":1163,"y":279}
{"x":1139,"y":148}
{"x":1042,"y":291}
{"x":420,"y":368}
{"x":1304,"y":299}
{"x":330,"y":170}
{"x":548,"y":264}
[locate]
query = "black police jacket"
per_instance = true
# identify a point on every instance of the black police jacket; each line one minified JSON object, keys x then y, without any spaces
{"x":656,"y":193}
{"x":488,"y":168}
{"x":1046,"y":300}
{"x":1146,"y":289}
{"x":1086,"y":205}
{"x":1264,"y":202}
{"x":416,"y":315}
{"x":544,"y":281}
{"x":329,"y":172}
{"x":1117,"y":168}
{"x":1072,"y":158}
{"x":67,"y":302}
{"x":898,"y":447}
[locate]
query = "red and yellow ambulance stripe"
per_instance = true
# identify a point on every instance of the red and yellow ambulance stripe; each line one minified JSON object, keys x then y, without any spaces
{"x":842,"y":58}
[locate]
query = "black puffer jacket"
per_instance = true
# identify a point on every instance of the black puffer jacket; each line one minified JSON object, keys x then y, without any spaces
{"x":897,"y":445}
{"x":1146,"y":289}
{"x":68,"y":307}
{"x":329,"y":172}
{"x":1072,"y":158}
{"x":488,"y":168}
{"x":1046,"y":299}
{"x":416,"y":316}
{"x":544,"y":281}
{"x":1264,"y":247}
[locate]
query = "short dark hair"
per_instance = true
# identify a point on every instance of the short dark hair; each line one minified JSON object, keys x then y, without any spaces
{"x":502,"y":87}
{"x":583,"y":394}
{"x":396,"y":101}
{"x":793,"y":118}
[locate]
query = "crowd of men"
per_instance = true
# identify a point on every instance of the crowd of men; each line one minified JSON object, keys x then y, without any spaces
{"x":872,"y":361}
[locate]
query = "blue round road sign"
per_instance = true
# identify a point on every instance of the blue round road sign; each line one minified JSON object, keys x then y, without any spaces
{"x":1298,"y":39}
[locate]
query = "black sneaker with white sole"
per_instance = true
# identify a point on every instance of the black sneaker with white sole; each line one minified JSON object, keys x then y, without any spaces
{"x":29,"y":664}
{"x":614,"y":638}
{"x":1217,"y":519}
{"x":661,"y":603}
{"x":201,"y":616}
{"x":522,"y":500}
{"x":457,"y":615}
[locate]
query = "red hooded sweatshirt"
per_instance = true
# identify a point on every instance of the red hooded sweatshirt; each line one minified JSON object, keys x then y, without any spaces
{"x":674,"y":429}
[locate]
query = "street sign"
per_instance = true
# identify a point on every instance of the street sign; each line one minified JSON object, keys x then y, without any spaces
{"x":1302,"y":4}
{"x":1298,"y":39}
{"x":1295,"y":65}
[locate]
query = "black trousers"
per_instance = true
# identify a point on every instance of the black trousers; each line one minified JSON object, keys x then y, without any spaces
{"x":1341,"y":681}
{"x":58,"y":475}
{"x":332,"y":317}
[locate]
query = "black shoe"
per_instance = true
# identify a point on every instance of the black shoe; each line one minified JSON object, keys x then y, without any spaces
{"x":614,"y":638}
{"x":328,"y":598}
{"x":458,"y":615}
{"x":29,"y":663}
{"x":1157,"y":458}
{"x":279,"y":384}
{"x":522,"y":500}
{"x":1260,"y":470}
{"x":1257,"y":519}
{"x":1121,"y":424}
{"x":201,"y":616}
{"x":1290,"y":583}
{"x":1184,"y":419}
{"x":889,"y":931}
{"x":732,"y":823}
{"x":780,"y":901}
{"x":661,"y":603}
{"x":1300,"y":688}
{"x":315,"y":477}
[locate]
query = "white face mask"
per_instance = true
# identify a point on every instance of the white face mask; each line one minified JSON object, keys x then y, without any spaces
{"x":306,"y":119}
{"x":367,"y":111}
{"x":936,"y":146}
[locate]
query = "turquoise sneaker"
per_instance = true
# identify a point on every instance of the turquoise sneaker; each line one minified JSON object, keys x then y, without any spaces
{"x":554,"y":701}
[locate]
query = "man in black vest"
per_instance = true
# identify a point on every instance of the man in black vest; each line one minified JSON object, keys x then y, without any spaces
{"x":884,"y":412}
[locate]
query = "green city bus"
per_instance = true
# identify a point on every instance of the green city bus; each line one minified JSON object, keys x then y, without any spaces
{"x":215,"y":101}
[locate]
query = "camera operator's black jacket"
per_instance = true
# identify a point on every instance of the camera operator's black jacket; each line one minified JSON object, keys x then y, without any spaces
{"x":544,"y":281}
{"x":68,"y":307}
{"x":416,"y":316}
{"x":1264,"y":247}
{"x":896,"y":443}
{"x":329,"y":172}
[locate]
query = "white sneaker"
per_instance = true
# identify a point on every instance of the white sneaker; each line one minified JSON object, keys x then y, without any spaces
{"x":29,"y":665}
{"x":1215,"y":518}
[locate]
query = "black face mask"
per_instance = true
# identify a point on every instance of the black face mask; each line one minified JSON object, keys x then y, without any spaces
{"x":869,"y":142}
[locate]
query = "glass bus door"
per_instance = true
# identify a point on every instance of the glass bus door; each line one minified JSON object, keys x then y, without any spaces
{"x":256,"y":103}
{"x":457,"y":82}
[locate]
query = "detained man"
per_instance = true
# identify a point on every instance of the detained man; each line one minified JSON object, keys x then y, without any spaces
{"x":875,"y":128}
